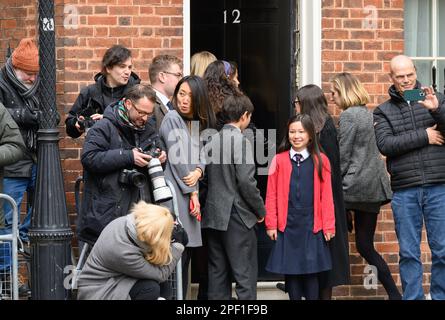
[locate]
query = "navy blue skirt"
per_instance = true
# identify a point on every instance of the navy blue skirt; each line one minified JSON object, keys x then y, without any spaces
{"x":298,"y":250}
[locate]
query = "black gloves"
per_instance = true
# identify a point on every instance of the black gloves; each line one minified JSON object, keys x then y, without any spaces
{"x":25,"y":118}
{"x":179,"y":235}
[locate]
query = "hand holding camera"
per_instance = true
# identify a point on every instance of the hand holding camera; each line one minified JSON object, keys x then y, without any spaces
{"x":141,"y":159}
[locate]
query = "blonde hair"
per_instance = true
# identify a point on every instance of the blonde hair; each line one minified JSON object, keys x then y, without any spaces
{"x":350,"y":90}
{"x":200,"y":61}
{"x":154,"y":226}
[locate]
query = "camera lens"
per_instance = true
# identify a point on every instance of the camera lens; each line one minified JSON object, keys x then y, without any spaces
{"x":137,"y":179}
{"x":161,"y":192}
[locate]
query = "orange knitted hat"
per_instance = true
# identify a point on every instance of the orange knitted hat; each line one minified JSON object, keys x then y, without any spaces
{"x":26,"y":56}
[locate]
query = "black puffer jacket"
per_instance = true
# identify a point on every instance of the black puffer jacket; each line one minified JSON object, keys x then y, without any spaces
{"x":106,"y":152}
{"x":94,"y":99}
{"x":401,"y":136}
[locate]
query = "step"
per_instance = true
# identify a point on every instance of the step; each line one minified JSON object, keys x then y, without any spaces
{"x":265,"y":291}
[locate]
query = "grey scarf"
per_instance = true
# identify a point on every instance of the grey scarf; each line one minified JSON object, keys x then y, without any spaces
{"x":28,"y":94}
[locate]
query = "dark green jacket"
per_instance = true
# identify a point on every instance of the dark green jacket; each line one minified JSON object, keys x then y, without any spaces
{"x":11,"y":146}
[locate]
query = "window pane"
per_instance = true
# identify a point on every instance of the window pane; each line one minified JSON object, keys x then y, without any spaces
{"x":424,"y":73}
{"x":441,"y":27}
{"x":418,"y":28}
{"x":441,"y":76}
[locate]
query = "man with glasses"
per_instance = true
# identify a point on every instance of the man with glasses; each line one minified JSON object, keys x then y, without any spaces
{"x":165,"y":71}
{"x":115,"y":161}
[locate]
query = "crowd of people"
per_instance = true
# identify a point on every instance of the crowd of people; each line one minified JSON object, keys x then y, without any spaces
{"x":324,"y":181}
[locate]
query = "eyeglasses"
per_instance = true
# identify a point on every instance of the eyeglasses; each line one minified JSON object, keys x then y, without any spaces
{"x":176,"y":74}
{"x":139,"y":111}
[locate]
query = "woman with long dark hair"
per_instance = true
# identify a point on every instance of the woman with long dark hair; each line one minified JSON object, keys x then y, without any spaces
{"x":310,"y":100}
{"x":184,"y":168}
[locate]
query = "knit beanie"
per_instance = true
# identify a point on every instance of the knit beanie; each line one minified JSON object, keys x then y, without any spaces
{"x":26,"y":56}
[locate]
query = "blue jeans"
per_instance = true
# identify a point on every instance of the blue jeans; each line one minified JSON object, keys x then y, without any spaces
{"x":16,"y":188}
{"x":412,"y":206}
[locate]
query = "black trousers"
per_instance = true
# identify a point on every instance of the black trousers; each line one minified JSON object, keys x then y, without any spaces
{"x":200,"y":262}
{"x":233,"y":253}
{"x":150,"y":290}
{"x":302,"y":285}
{"x":365,"y":224}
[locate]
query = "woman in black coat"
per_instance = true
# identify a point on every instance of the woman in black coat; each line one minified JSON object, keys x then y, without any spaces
{"x":311,"y":100}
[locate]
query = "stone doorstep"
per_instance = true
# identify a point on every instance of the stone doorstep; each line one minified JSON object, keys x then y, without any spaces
{"x":265,"y":291}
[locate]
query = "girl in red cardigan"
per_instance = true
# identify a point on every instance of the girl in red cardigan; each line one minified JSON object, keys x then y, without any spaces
{"x":300,"y":210}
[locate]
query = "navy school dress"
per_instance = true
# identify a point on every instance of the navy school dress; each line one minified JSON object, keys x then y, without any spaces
{"x":298,"y":250}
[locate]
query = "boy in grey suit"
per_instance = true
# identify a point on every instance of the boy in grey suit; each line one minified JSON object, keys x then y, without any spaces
{"x":233,"y":206}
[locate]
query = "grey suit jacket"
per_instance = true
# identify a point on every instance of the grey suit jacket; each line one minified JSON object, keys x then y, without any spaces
{"x":231,"y":181}
{"x":160,"y":111}
{"x":363,"y":170}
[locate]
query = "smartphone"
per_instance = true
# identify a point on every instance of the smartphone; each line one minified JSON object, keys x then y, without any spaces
{"x":414,"y":95}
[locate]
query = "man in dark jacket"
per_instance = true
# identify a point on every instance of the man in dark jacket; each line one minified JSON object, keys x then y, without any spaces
{"x":18,"y":93}
{"x":114,"y":165}
{"x":411,"y":135}
{"x":114,"y":80}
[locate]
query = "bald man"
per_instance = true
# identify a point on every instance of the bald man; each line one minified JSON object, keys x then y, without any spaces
{"x":411,"y":136}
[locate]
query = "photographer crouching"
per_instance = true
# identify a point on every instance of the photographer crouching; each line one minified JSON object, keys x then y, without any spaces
{"x":116,"y":157}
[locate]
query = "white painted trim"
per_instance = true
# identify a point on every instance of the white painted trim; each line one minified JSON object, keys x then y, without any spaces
{"x":310,"y":45}
{"x":186,"y":37}
{"x":434,"y":31}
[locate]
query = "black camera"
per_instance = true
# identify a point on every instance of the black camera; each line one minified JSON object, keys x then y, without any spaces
{"x":132,"y":178}
{"x":152,"y":151}
{"x":86,"y":123}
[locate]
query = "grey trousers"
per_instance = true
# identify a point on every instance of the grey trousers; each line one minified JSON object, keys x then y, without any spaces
{"x":233,"y":253}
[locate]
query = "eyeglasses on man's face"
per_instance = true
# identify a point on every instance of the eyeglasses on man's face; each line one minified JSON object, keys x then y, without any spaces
{"x":176,"y":74}
{"x":139,"y":111}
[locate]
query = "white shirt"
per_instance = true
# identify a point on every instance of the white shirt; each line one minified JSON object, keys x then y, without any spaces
{"x":163,"y":98}
{"x":305,"y":154}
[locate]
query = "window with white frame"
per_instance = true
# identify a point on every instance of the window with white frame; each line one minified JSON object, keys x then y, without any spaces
{"x":425,"y":39}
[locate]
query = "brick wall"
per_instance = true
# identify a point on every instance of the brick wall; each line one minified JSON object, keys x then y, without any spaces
{"x":355,"y":42}
{"x":17,"y":21}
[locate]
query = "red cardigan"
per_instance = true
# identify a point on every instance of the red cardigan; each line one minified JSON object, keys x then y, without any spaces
{"x":277,"y":196}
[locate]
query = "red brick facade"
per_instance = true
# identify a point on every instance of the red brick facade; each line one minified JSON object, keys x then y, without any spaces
{"x":151,"y":27}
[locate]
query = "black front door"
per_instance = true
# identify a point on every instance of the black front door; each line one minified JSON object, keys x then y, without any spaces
{"x":258,"y":36}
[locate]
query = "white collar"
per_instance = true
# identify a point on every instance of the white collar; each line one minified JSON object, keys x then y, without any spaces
{"x":305,"y":154}
{"x":163,"y":98}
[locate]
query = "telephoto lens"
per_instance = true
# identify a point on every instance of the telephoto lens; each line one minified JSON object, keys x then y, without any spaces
{"x":161,"y":191}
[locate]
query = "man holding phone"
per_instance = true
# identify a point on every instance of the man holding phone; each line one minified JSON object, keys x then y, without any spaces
{"x":411,"y":136}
